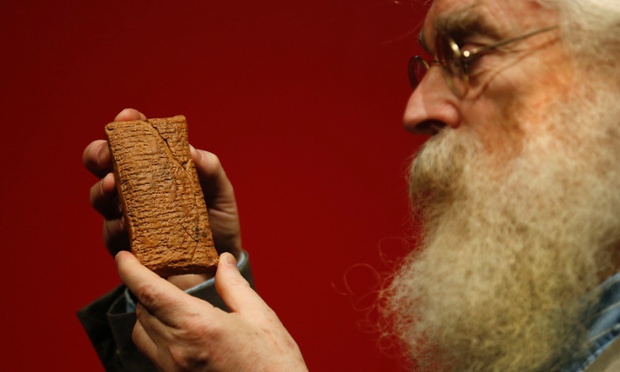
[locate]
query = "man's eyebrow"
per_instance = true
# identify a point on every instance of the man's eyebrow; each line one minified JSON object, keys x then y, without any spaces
{"x":464,"y":22}
{"x":459,"y":24}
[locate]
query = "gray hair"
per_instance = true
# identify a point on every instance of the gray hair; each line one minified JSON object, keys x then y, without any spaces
{"x":591,"y":30}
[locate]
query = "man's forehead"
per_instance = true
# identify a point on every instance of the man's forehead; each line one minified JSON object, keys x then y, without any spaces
{"x":462,"y":20}
{"x":450,"y":14}
{"x":494,"y":18}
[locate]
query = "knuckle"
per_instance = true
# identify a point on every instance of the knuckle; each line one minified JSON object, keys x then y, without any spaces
{"x":115,"y":236}
{"x":102,"y":154}
{"x":95,"y":193}
{"x":148,"y":295}
{"x":114,"y":228}
{"x":268,"y":316}
{"x":188,"y":359}
{"x":85,"y":154}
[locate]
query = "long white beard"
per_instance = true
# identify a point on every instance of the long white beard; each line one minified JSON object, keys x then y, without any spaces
{"x":510,"y":247}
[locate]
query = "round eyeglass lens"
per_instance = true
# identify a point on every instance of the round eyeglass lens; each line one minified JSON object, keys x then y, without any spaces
{"x":449,"y":57}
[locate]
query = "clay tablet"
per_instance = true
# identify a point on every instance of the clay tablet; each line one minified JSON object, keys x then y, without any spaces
{"x":162,"y":201}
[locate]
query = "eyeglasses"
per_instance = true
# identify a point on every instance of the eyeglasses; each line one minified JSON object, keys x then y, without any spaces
{"x":454,"y":62}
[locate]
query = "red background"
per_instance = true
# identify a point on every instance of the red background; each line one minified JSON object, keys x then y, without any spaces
{"x":302,"y":101}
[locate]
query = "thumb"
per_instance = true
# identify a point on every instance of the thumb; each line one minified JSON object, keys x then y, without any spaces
{"x":233,"y":288}
{"x":160,"y":297}
{"x":129,"y":114}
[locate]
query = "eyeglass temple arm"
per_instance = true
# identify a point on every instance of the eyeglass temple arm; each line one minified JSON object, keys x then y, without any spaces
{"x":473,"y":53}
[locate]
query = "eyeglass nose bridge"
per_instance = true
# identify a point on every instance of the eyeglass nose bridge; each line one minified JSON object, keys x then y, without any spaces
{"x":418,"y":67}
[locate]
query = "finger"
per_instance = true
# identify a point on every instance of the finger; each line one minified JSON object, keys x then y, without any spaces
{"x":96,"y":158}
{"x":129,"y":114}
{"x":159,"y":297}
{"x":142,"y":339}
{"x":157,"y":331}
{"x":220,"y":199}
{"x":116,"y":236}
{"x":104,"y":197}
{"x":213,"y":179}
{"x":234,"y":289}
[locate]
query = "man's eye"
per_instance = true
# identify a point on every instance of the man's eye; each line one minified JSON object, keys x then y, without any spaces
{"x":471,"y":59}
{"x":468,"y":48}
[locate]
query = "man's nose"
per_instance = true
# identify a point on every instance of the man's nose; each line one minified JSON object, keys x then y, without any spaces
{"x":432,"y":106}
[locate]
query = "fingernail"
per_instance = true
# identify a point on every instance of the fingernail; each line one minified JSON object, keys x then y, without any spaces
{"x":117,"y":257}
{"x":195,"y":152}
{"x":107,"y":179}
{"x":120,"y":114}
{"x":228,"y":259}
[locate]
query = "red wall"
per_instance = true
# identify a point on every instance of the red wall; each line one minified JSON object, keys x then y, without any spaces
{"x":302,"y":100}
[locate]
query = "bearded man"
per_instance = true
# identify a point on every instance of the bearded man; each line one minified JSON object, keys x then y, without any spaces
{"x":517,"y":194}
{"x":517,"y":189}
